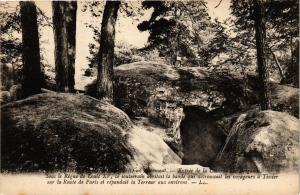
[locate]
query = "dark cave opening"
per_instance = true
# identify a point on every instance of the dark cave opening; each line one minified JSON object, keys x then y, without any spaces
{"x":201,"y":137}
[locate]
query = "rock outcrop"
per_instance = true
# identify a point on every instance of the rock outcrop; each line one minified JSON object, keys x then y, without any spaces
{"x":188,"y":115}
{"x":162,"y":92}
{"x":261,"y":141}
{"x":4,"y":97}
{"x":14,"y":94}
{"x":57,"y":131}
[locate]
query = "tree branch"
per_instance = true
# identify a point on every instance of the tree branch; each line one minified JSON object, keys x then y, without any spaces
{"x":219,"y":4}
{"x":277,"y":63}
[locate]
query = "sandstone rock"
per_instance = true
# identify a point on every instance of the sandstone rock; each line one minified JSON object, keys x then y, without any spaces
{"x":261,"y":141}
{"x":15,"y":92}
{"x":4,"y":97}
{"x":54,"y":131}
{"x":155,"y":128}
{"x":58,"y":131}
{"x":149,"y":150}
{"x":161,"y":92}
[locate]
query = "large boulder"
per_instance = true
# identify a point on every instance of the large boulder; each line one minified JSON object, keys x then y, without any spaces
{"x":260,"y":141}
{"x":58,"y":131}
{"x":164,"y":94}
{"x":161,"y":92}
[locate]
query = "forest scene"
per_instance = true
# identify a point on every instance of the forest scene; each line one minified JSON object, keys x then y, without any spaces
{"x":113,"y":85}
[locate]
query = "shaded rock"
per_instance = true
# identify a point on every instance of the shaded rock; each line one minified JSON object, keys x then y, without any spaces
{"x":285,"y":99}
{"x":55,"y":131}
{"x":4,"y":97}
{"x":149,"y":87}
{"x":161,"y":92}
{"x":16,"y":92}
{"x":58,"y":131}
{"x":261,"y":141}
{"x":3,"y":88}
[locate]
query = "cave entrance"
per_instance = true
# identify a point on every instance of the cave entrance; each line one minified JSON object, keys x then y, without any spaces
{"x":201,"y":137}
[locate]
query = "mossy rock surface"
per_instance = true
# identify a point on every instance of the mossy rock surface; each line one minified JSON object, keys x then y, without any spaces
{"x":60,"y":131}
{"x":57,"y":131}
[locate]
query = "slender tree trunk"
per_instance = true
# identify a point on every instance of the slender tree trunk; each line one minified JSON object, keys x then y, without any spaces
{"x":106,"y":52}
{"x":277,"y":64}
{"x":64,"y":23}
{"x":292,"y":50}
{"x":261,"y":61}
{"x":32,"y":77}
{"x":296,"y":65}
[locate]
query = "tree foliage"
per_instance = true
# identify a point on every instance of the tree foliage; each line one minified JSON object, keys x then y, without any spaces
{"x":281,"y":21}
{"x":183,"y":28}
{"x":123,"y":52}
{"x":11,"y":42}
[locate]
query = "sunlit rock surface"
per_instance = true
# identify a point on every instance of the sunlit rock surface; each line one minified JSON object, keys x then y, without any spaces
{"x":261,"y":141}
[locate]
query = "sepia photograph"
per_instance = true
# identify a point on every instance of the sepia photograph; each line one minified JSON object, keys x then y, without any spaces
{"x":149,"y":97}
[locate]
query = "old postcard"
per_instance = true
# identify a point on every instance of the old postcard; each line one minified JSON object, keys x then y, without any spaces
{"x":150,"y":97}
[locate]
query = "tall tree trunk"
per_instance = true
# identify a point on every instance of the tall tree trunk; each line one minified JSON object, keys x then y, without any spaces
{"x":261,"y":61}
{"x":32,"y":77}
{"x":71,"y":33}
{"x":106,"y":51}
{"x":61,"y":46}
{"x":64,"y":23}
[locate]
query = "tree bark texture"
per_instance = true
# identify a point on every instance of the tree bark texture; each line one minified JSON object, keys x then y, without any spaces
{"x":106,"y":51}
{"x":71,"y":10}
{"x":64,"y":23}
{"x":32,"y":76}
{"x":261,"y":61}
